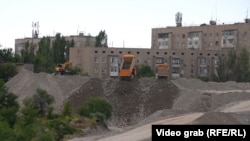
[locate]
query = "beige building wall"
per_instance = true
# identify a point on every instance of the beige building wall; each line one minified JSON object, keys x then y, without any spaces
{"x":208,"y":37}
{"x":183,"y":63}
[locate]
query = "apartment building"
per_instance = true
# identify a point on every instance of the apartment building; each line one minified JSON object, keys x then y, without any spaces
{"x":79,"y":41}
{"x":203,"y":37}
{"x":191,"y":51}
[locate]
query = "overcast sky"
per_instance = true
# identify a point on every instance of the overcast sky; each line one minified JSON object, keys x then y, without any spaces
{"x":128,"y":21}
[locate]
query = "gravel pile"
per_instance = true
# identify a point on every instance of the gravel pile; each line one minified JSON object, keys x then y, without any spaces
{"x":25,"y":84}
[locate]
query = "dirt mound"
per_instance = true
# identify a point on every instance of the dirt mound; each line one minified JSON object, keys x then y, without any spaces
{"x":132,"y":100}
{"x":25,"y":84}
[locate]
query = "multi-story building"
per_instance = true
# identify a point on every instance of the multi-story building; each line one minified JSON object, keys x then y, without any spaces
{"x":79,"y":41}
{"x":203,"y":37}
{"x":190,"y":51}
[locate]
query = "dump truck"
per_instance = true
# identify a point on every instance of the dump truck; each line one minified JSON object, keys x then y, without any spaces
{"x":127,"y":69}
{"x":63,"y":68}
{"x":162,"y":71}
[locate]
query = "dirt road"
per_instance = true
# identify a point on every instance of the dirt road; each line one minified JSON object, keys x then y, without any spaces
{"x":143,"y":132}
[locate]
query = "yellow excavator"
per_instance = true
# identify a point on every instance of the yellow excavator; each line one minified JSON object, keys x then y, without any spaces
{"x":62,"y":69}
{"x":127,"y":69}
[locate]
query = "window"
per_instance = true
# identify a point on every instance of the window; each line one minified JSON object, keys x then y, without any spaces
{"x":176,"y":61}
{"x":163,"y":35}
{"x":103,"y":70}
{"x":137,"y":61}
{"x":211,"y":34}
{"x":103,"y":51}
{"x":114,"y":69}
{"x":217,"y":34}
{"x":96,"y":60}
{"x":138,"y":52}
{"x":205,"y":34}
{"x":203,"y":71}
{"x":96,"y":51}
{"x":224,"y":41}
{"x":120,"y":52}
{"x":175,"y":70}
{"x":202,"y":61}
{"x":112,"y":52}
{"x":230,"y":41}
{"x":196,"y":42}
{"x":159,"y":60}
{"x":183,"y":36}
{"x":193,"y":34}
{"x":228,"y":33}
{"x":103,"y":59}
{"x":216,"y":43}
{"x":192,"y":71}
{"x":96,"y":70}
{"x":190,"y":43}
{"x":148,"y":52}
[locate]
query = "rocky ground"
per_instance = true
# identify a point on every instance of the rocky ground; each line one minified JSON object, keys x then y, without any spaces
{"x":142,"y":102}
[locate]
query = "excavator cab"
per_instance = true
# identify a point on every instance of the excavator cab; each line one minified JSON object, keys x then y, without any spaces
{"x":63,"y":68}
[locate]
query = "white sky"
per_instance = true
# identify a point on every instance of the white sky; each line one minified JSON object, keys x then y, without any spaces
{"x":130,"y":21}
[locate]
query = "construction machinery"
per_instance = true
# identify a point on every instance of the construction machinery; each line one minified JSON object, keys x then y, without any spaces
{"x":162,"y":71}
{"x":127,"y":69}
{"x":63,"y":68}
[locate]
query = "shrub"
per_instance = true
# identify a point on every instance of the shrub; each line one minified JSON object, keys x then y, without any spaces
{"x":144,"y":71}
{"x":96,"y":105}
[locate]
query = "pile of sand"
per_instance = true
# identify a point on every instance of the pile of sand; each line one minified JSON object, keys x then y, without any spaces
{"x":25,"y":84}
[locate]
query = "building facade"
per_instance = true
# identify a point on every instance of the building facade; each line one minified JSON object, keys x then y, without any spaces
{"x":79,"y":41}
{"x":203,"y":37}
{"x":190,"y":51}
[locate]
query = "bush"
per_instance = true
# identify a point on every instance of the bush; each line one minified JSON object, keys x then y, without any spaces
{"x":144,"y":71}
{"x":96,"y":105}
{"x":8,"y":105}
{"x":66,"y":109}
{"x":7,"y":71}
{"x":61,"y":129}
{"x":204,"y":78}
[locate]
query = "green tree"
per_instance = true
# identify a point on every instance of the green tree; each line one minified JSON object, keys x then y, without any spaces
{"x":69,"y":44}
{"x":44,"y":58}
{"x":101,"y":39}
{"x":59,"y":49}
{"x":144,"y":71}
{"x":42,"y":101}
{"x":8,"y":105}
{"x":243,"y":67}
{"x":6,"y":55}
{"x":29,"y":111}
{"x":6,"y":133}
{"x":28,"y":53}
{"x":96,"y":105}
{"x":7,"y":71}
{"x":234,"y":67}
